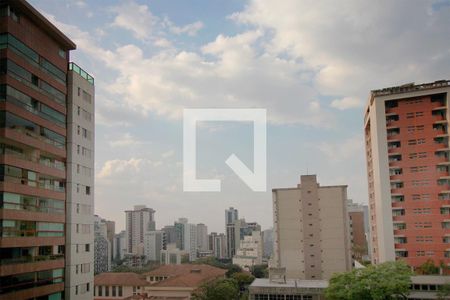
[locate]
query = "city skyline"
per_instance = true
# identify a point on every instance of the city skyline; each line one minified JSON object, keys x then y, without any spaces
{"x":147,"y":71}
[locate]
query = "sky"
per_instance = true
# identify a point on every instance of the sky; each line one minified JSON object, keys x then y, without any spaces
{"x":310,"y":64}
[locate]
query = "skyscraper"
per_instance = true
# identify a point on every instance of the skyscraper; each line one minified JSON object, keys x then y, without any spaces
{"x":202,"y":237}
{"x":154,"y":242}
{"x":137,"y":223}
{"x":47,"y":145}
{"x":231,"y":215}
{"x":407,"y":150}
{"x":311,"y":230}
{"x":102,"y":246}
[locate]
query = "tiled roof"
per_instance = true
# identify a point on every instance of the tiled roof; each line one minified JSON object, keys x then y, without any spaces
{"x":185,"y":275}
{"x":124,"y":279}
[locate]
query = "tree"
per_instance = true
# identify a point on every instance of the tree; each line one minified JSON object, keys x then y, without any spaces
{"x":243,"y":279}
{"x":444,"y":292}
{"x":233,"y":269}
{"x":260,"y":271}
{"x":428,"y":268}
{"x":389,"y":280}
{"x":222,"y":289}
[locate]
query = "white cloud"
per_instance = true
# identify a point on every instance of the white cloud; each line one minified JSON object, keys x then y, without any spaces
{"x":126,"y":168}
{"x":189,"y":29}
{"x":346,"y":103}
{"x":126,"y":140}
{"x":360,"y":45}
{"x":343,"y":150}
{"x":136,"y":18}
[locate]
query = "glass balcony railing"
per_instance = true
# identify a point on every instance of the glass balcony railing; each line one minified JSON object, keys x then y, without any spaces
{"x":74,"y":67}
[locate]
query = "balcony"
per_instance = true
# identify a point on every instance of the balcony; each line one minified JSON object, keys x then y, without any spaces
{"x":30,"y":264}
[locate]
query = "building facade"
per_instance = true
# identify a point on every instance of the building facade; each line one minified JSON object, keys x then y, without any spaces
{"x":250,"y":252}
{"x":236,"y":232}
{"x":202,"y":237}
{"x":137,"y":222}
{"x":120,"y":245}
{"x":358,"y":237}
{"x":154,"y":242}
{"x":102,"y":246}
{"x":173,"y":255}
{"x":46,"y":186}
{"x":407,"y":150}
{"x":312,"y":239}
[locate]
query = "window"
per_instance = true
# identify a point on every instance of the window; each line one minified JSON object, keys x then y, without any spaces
{"x":78,"y":208}
{"x":76,"y":290}
{"x":88,"y":190}
{"x":86,"y":248}
{"x":100,"y":291}
{"x":78,"y":228}
{"x":120,"y":291}
{"x":113,"y":291}
{"x":106,"y":291}
{"x":62,"y":53}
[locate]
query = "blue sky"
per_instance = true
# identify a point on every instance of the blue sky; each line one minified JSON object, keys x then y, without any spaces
{"x":311,"y":64}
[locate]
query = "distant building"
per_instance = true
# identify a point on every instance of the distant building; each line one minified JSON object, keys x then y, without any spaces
{"x":202,"y":237}
{"x":110,"y":233}
{"x":171,"y":233}
{"x":102,"y":247}
{"x":231,"y":215}
{"x":187,"y":237}
{"x":312,"y":239}
{"x":134,"y":260}
{"x":138,"y":222}
{"x":250,"y":252}
{"x":118,"y":286}
{"x":236,"y":232}
{"x":267,"y":236}
{"x":154,"y":242}
{"x":358,"y":237}
{"x":180,"y":281}
{"x":173,"y":256}
{"x":120,"y":245}
{"x":407,"y":151}
{"x":217,"y":244}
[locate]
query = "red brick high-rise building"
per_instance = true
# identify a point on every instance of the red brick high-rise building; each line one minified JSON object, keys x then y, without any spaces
{"x":407,"y":149}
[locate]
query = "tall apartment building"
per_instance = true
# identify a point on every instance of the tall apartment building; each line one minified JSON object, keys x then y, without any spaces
{"x":111,"y":232}
{"x":407,"y":149}
{"x":202,"y":237}
{"x":171,"y":234}
{"x":217,"y":244}
{"x":311,"y":236}
{"x":102,"y":246}
{"x":267,"y":236}
{"x":231,"y":215}
{"x":154,"y":242}
{"x":137,"y":223}
{"x":44,"y":219}
{"x":120,"y":245}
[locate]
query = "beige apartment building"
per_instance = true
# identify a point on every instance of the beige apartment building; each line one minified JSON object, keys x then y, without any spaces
{"x":311,"y":230}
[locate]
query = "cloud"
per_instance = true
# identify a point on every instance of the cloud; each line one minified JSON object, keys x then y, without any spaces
{"x":126,"y":140}
{"x":360,"y":46}
{"x":343,"y":150}
{"x":125,"y":168}
{"x":136,"y":18}
{"x":346,"y":103}
{"x":189,"y":29}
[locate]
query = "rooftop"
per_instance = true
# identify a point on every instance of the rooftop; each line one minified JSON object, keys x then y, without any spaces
{"x":185,"y":275}
{"x":290,"y":283}
{"x":74,"y":67}
{"x":124,"y":279}
{"x":410,"y":87}
{"x":25,"y":8}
